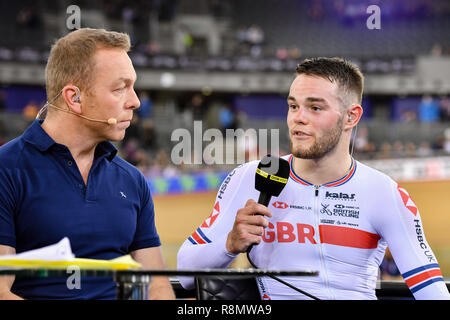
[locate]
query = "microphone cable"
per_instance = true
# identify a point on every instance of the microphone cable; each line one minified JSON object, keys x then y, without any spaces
{"x":281,"y":281}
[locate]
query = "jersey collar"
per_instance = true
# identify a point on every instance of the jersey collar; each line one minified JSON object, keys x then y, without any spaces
{"x":37,"y":137}
{"x":335,"y":183}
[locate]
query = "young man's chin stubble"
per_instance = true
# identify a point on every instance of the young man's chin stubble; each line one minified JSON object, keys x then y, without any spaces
{"x":321,"y":146}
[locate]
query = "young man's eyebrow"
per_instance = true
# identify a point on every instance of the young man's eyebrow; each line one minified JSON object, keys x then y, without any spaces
{"x":308,"y":99}
{"x":290,"y":98}
{"x":316,"y":99}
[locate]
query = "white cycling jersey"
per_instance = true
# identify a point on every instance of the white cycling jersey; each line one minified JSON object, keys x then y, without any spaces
{"x":340,"y":229}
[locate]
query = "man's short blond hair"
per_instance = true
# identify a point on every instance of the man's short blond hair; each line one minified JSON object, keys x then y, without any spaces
{"x":71,"y":58}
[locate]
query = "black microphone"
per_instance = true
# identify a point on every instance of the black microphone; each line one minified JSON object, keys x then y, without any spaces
{"x":271,"y":177}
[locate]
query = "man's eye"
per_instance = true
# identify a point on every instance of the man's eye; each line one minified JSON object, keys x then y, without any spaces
{"x":292,"y":106}
{"x":316,"y":108}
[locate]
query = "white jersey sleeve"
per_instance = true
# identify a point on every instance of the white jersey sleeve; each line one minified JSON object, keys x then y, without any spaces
{"x":206,"y":247}
{"x":401,"y":227}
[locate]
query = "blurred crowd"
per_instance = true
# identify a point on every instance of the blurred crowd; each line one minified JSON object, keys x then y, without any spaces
{"x":145,"y":147}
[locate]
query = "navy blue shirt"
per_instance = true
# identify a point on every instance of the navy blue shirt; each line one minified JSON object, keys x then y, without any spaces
{"x":43,"y":199}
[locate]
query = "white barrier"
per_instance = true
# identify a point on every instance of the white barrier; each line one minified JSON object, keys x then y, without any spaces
{"x":413,"y":169}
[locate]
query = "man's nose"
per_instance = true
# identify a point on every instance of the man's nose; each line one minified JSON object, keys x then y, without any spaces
{"x":301,"y":115}
{"x":134,"y":100}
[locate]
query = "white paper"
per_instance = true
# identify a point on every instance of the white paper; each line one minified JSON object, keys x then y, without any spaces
{"x":60,"y":251}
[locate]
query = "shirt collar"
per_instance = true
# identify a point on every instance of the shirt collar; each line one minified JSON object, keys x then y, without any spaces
{"x":350,"y":173}
{"x":37,"y":137}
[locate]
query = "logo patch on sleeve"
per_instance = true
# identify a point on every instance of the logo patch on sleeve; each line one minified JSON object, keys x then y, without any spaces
{"x":407,"y":201}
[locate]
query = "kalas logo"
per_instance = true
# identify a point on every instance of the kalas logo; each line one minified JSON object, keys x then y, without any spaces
{"x":280,"y":205}
{"x":340,"y":195}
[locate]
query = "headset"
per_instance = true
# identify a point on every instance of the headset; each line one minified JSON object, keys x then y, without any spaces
{"x":76,"y":99}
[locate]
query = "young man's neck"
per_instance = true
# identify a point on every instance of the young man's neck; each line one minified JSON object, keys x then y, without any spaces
{"x":330,"y":167}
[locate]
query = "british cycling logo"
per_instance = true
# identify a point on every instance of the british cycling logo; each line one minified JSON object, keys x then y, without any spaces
{"x":325,"y":209}
{"x":340,"y":210}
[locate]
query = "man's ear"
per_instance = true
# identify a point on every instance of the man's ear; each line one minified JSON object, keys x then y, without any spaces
{"x":354,"y":114}
{"x":72,"y":97}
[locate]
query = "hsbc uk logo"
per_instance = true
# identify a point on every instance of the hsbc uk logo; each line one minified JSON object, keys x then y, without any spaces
{"x":284,"y":205}
{"x":212,"y":217}
{"x":280,"y":205}
{"x":407,"y":201}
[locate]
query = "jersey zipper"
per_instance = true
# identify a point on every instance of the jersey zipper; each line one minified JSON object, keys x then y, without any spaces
{"x":322,"y":260}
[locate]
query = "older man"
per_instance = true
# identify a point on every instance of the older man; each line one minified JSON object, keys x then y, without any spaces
{"x":62,"y":177}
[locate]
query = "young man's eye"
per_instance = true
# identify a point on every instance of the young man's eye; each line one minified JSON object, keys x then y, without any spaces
{"x":292,"y":106}
{"x":316,"y":108}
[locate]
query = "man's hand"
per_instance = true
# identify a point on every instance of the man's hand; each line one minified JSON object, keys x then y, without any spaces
{"x":248,"y":227}
{"x":151,"y":258}
{"x":6,"y":282}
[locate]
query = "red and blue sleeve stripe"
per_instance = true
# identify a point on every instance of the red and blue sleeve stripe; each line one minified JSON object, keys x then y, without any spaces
{"x":198,"y":237}
{"x":422,"y":277}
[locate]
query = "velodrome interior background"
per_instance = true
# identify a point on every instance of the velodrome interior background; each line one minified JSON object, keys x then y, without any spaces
{"x":229,"y":64}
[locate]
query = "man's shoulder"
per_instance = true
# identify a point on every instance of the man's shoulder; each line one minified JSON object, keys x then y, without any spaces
{"x":11,"y":151}
{"x":374,"y":176}
{"x":126,"y":167}
{"x":245,"y":167}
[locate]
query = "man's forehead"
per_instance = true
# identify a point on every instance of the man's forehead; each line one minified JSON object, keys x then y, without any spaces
{"x":116,"y":63}
{"x":313,"y":86}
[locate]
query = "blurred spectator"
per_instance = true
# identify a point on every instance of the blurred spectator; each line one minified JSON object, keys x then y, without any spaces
{"x":255,"y":37}
{"x":30,"y":111}
{"x":408,"y":116}
{"x":134,"y":130}
{"x":385,"y":151}
{"x":410,"y":150}
{"x":130,"y":150}
{"x":145,"y":110}
{"x":428,"y":110}
{"x":445,"y":108}
{"x":388,"y":268}
{"x":184,"y":41}
{"x":436,"y":50}
{"x":294,"y":53}
{"x":226,"y":118}
{"x":149,"y":136}
{"x":316,"y":10}
{"x":28,"y":18}
{"x":446,"y":143}
{"x":424,"y":149}
{"x":398,"y":149}
{"x":282,"y":53}
{"x":128,"y":16}
{"x":197,"y":107}
{"x":362,"y":139}
{"x":162,"y":166}
{"x":2,"y":100}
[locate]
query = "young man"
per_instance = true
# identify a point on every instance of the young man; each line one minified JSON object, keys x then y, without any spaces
{"x":62,"y":177}
{"x":335,"y":215}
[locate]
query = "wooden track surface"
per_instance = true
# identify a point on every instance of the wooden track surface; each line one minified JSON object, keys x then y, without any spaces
{"x":177,"y":216}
